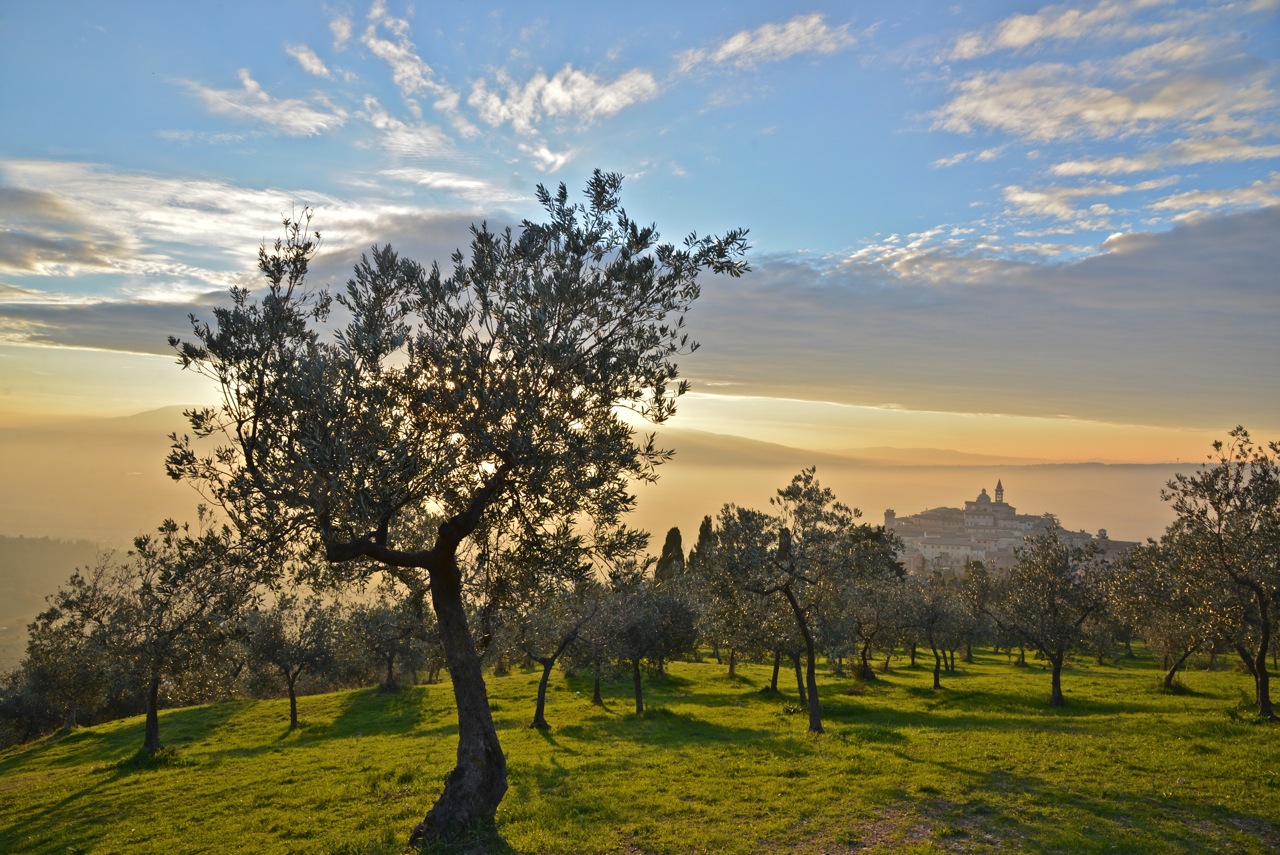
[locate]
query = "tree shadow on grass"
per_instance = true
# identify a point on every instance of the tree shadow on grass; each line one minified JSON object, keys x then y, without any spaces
{"x":376,"y":712}
{"x":116,"y":741}
{"x":49,"y":828}
{"x":659,"y":726}
{"x":1032,"y":814}
{"x":111,"y":753}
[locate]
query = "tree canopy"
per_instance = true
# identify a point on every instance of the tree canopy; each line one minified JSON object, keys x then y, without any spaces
{"x":447,"y":402}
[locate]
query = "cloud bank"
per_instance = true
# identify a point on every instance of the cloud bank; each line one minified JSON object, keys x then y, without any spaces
{"x":1156,"y":326}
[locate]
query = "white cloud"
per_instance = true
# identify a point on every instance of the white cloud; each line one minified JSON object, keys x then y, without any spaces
{"x":1218,"y":149}
{"x":152,"y":247}
{"x":410,"y":73}
{"x":1063,"y":202}
{"x":1184,"y":76}
{"x":288,"y":116}
{"x":402,"y":138}
{"x":545,"y":159}
{"x":570,"y":94}
{"x":124,"y":221}
{"x":981,"y":156}
{"x":203,"y":136}
{"x":307,"y":58}
{"x":456,"y":184}
{"x":773,"y":43}
{"x":1108,"y":19}
{"x":341,"y":28}
{"x":1260,"y":193}
{"x":1055,"y":101}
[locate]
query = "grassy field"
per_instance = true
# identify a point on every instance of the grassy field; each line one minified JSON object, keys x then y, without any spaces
{"x":713,"y":766}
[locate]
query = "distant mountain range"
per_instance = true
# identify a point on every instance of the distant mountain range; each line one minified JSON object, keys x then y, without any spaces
{"x":936,"y":457}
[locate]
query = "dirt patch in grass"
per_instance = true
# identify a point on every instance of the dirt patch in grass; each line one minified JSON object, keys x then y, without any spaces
{"x":936,"y":825}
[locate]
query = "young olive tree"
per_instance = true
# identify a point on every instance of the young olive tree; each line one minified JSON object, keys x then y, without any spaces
{"x":1046,"y":597}
{"x":293,"y":637}
{"x":183,"y":590}
{"x":124,"y":629}
{"x":732,"y":620}
{"x":809,"y":551}
{"x":488,"y":392}
{"x":936,"y":613}
{"x":648,"y":621}
{"x":1227,"y":532}
{"x":552,"y":593}
{"x":392,"y":630}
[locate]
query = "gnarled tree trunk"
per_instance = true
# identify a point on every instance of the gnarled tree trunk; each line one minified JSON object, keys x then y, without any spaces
{"x":475,"y":787}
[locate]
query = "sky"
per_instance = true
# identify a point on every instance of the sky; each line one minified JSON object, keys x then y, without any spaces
{"x":1044,"y":231}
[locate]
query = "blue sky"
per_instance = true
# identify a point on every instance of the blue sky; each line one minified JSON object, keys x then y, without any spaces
{"x":1042,"y":229}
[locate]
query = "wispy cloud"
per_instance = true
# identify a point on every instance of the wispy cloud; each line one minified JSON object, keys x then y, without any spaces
{"x":130,"y":254}
{"x":137,"y":226}
{"x":457,"y":184}
{"x":570,"y":94}
{"x":544,"y":158}
{"x":307,"y":58}
{"x":48,"y":235}
{"x":772,"y":43}
{"x":1184,"y":152}
{"x":1063,"y":203}
{"x":341,"y":28}
{"x":1108,"y":19}
{"x":289,"y":116}
{"x":402,"y":138}
{"x":1260,"y":193}
{"x":1160,"y":87}
{"x":1056,"y":101}
{"x":980,"y":156}
{"x":387,"y":38}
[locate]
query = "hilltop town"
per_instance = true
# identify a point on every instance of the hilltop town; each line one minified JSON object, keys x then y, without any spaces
{"x":943,"y":540}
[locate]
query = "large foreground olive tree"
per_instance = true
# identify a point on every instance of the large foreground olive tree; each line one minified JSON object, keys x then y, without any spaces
{"x":447,"y":401}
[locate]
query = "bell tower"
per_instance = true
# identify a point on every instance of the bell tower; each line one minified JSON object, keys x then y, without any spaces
{"x":999,"y":491}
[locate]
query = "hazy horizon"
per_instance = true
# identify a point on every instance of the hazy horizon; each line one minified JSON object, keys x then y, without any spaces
{"x":104,"y":480}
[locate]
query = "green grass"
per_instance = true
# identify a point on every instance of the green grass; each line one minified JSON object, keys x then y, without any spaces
{"x":713,"y":766}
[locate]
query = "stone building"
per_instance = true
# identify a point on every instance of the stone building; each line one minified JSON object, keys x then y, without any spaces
{"x":985,"y":529}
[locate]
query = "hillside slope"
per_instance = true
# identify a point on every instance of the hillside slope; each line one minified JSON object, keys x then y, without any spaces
{"x":714,"y":765}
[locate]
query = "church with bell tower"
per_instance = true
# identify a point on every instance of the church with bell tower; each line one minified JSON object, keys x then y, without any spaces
{"x":986,"y":529}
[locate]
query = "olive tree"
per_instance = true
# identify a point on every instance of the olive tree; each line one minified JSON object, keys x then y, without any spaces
{"x":1045,"y":598}
{"x":182,"y":590}
{"x":292,"y":637}
{"x":809,"y":551}
{"x":1155,"y":590}
{"x":1227,"y":531}
{"x":928,"y":609}
{"x":648,"y":621}
{"x":393,"y":629}
{"x":491,"y":391}
{"x":552,"y":592}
